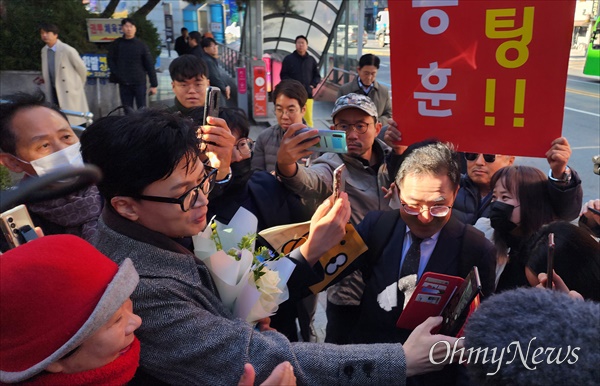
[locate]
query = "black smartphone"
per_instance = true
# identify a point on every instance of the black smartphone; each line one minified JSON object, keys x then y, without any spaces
{"x":211,"y":103}
{"x":594,"y":210}
{"x":456,"y":311}
{"x":550,"y":262}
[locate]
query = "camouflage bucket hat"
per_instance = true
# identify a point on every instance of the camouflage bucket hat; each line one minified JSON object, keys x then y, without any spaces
{"x":355,"y":101}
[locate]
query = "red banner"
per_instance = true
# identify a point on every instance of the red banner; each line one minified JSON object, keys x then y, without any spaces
{"x":489,"y":76}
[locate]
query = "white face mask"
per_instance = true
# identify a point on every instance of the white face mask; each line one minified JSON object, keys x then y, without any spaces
{"x":69,"y":156}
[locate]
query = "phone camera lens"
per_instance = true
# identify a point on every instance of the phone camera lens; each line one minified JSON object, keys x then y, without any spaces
{"x":10,"y":220}
{"x":13,"y":225}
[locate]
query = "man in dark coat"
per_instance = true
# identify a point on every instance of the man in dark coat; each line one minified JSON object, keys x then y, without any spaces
{"x":299,"y":65}
{"x":129,"y":60}
{"x":181,"y":43}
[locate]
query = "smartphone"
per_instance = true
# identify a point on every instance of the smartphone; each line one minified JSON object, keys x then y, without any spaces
{"x":211,"y":103}
{"x":456,"y":311}
{"x":332,"y":141}
{"x":17,"y":226}
{"x":550,"y":262}
{"x":337,"y":181}
{"x":594,"y":210}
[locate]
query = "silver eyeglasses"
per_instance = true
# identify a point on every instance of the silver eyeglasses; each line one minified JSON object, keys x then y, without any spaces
{"x":435,"y":211}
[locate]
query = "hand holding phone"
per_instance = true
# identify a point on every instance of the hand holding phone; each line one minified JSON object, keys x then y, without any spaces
{"x":332,"y":141}
{"x":594,"y":210}
{"x":17,"y":226}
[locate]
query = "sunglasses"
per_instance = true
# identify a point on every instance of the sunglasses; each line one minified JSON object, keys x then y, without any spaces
{"x":489,"y":158}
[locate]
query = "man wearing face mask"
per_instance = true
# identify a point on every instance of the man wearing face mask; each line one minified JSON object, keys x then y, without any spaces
{"x":36,"y":139}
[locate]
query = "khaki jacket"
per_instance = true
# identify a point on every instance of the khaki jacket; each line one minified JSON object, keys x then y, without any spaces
{"x":70,"y":76}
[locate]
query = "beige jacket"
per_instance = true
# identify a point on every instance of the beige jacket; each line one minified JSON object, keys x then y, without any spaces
{"x":70,"y":75}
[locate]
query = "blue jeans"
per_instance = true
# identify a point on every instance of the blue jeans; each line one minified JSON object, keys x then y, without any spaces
{"x":130,"y":91}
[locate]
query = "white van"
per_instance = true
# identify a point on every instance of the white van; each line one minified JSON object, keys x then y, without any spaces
{"x":382,"y":29}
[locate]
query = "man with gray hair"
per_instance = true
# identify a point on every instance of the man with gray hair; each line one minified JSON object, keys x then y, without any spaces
{"x":419,"y":237}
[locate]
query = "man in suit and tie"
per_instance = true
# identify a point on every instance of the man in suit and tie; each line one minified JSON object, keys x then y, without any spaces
{"x":64,"y":73}
{"x":419,"y":237}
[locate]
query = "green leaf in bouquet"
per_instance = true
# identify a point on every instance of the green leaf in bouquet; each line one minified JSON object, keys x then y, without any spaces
{"x":247,"y":241}
{"x":214,"y":236}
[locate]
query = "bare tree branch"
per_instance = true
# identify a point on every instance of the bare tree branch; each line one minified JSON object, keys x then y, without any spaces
{"x":147,"y":8}
{"x":110,"y":8}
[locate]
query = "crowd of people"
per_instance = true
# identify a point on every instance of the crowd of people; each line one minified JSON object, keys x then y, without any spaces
{"x":113,"y":293}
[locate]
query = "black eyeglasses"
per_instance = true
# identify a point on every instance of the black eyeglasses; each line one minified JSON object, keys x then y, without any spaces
{"x":189,"y":198}
{"x":245,"y":146}
{"x":489,"y":158}
{"x":360,"y":127}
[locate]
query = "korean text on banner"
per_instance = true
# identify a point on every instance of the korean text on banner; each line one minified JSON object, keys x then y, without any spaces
{"x":488,"y":76}
{"x":103,"y":30}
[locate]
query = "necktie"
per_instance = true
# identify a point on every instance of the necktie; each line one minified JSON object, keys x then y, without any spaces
{"x":412,"y":258}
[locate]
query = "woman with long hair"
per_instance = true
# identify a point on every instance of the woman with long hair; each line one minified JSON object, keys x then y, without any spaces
{"x":521,"y":205}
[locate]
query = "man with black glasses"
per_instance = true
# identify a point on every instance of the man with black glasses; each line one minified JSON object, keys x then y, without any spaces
{"x":156,"y":187}
{"x":365,"y":175}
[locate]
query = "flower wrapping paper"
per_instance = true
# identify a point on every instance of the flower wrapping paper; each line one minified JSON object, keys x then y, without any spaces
{"x":235,"y":279}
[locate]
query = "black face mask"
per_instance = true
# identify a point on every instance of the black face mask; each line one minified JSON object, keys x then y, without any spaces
{"x":500,"y":214}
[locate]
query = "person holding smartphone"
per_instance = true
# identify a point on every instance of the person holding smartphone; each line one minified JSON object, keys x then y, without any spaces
{"x":87,"y":335}
{"x":289,"y":100}
{"x":35,"y":139}
{"x":365,"y":175}
{"x":156,"y":189}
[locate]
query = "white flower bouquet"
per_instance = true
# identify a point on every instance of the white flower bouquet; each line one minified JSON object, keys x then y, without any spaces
{"x":251,"y":283}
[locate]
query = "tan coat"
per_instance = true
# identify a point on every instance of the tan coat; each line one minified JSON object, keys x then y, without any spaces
{"x":70,"y":75}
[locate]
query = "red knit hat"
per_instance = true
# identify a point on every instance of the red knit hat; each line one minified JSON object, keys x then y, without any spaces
{"x":55,"y":292}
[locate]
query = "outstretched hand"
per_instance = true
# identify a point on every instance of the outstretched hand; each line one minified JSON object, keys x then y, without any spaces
{"x":282,"y":375}
{"x":589,"y":214}
{"x":327,"y":227}
{"x":422,"y":351}
{"x":557,"y":284}
{"x":293,"y":148}
{"x":393,"y":137}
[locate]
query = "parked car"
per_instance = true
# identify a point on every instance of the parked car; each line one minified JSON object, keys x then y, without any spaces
{"x":351,"y":37}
